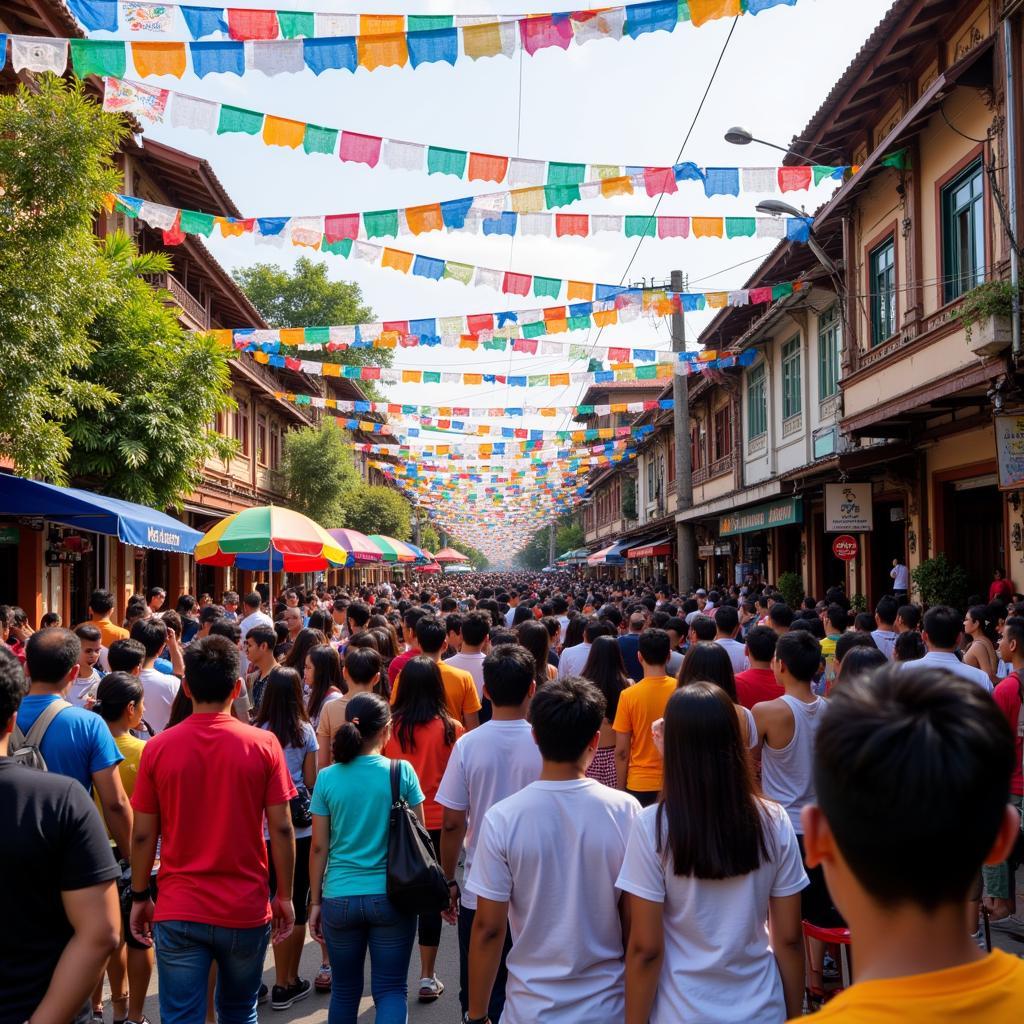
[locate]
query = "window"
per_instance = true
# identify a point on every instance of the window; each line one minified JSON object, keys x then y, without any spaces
{"x":262,"y":451}
{"x":650,"y":477}
{"x":723,"y":434}
{"x":963,"y":233}
{"x":757,"y":406}
{"x":882,"y":268}
{"x":829,"y":347}
{"x":671,"y":459}
{"x":242,"y":427}
{"x":275,"y":446}
{"x":695,"y":448}
{"x":791,"y":404}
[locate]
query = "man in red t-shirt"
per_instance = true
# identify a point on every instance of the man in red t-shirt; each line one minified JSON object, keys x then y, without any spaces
{"x":999,"y":887}
{"x":757,"y":683}
{"x":203,"y":788}
{"x":409,"y":620}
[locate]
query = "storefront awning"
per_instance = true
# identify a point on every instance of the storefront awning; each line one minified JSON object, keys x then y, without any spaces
{"x":611,"y":555}
{"x":782,"y":512}
{"x":651,"y":548}
{"x":69,"y":506}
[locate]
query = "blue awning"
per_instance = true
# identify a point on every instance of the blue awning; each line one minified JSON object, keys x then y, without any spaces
{"x":130,"y":523}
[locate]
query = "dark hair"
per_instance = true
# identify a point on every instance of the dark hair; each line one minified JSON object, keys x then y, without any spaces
{"x":101,"y":601}
{"x":211,"y":669}
{"x":574,"y":631}
{"x":12,"y":685}
{"x":676,"y":625}
{"x":125,"y":655}
{"x":838,"y":616}
{"x":761,"y":641}
{"x":607,"y":671}
{"x":227,"y":629}
{"x":88,"y":633}
{"x":593,"y":628}
{"x":358,"y":612}
{"x":858,"y":661}
{"x":936,"y":734}
{"x":362,"y":664}
{"x":654,"y":646}
{"x":475,"y":627}
{"x":152,"y":634}
{"x":210,"y":613}
{"x":565,"y":715}
{"x":50,"y":654}
{"x":709,"y":815}
{"x":252,"y":600}
{"x":886,"y":610}
{"x":430,"y":634}
{"x":508,"y":673}
{"x":412,"y":616}
{"x":305,"y":640}
{"x":322,"y":621}
{"x":326,"y":673}
{"x":366,"y":717}
{"x":800,"y":653}
{"x":703,"y":627}
{"x":533,"y":635}
{"x":848,"y":641}
{"x":262,"y":635}
{"x":522,"y":613}
{"x":155,"y":592}
{"x":115,"y":692}
{"x":185,"y":604}
{"x":727,"y":619}
{"x":172,"y":620}
{"x":982,"y":614}
{"x":942,"y":625}
{"x":909,"y":646}
{"x":502,"y":637}
{"x":1013,"y":629}
{"x":453,"y":623}
{"x":910,"y":614}
{"x":419,"y":700}
{"x":780,"y":614}
{"x":708,"y":662}
{"x":282,"y":709}
{"x":864,"y":622}
{"x":609,"y":613}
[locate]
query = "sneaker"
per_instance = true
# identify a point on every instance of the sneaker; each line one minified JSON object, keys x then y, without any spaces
{"x":283,"y":996}
{"x":322,"y":982}
{"x":263,"y":993}
{"x":430,"y":989}
{"x":1010,"y":923}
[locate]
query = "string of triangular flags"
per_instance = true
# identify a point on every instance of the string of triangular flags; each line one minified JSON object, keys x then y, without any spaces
{"x":560,"y":180}
{"x":468,"y":215}
{"x":280,"y":41}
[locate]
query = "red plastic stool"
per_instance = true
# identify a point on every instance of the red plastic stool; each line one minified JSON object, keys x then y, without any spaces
{"x":839,"y":937}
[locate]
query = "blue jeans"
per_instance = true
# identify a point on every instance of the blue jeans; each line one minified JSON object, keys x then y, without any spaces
{"x":350,"y":924}
{"x":184,"y":952}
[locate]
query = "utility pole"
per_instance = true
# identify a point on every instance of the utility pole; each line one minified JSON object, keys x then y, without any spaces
{"x":552,"y":553}
{"x":685,"y":548}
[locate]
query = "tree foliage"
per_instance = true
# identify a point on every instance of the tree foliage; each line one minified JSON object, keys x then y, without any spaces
{"x":320,"y":478}
{"x":379,"y":510}
{"x":56,"y":149}
{"x":476,"y":557}
{"x":429,"y":540}
{"x":150,"y":442}
{"x":568,"y":537}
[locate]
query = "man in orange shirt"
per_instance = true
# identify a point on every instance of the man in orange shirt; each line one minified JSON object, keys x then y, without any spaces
{"x":912,"y":773}
{"x":638,"y":765}
{"x":101,"y":604}
{"x":459,"y":688}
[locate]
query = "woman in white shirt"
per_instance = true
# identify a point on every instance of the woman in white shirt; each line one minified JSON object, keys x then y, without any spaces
{"x":713,"y":878}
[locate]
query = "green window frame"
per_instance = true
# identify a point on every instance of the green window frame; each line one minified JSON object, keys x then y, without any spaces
{"x":963,"y":232}
{"x":883,"y":291}
{"x":757,"y":405}
{"x":791,"y":398}
{"x":830,"y":343}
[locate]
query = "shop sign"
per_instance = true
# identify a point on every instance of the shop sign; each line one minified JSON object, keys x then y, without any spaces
{"x":844,"y":547}
{"x":784,"y":512}
{"x":9,"y":535}
{"x":706,"y":550}
{"x":1010,"y":450}
{"x":848,"y":508}
{"x":54,"y":557}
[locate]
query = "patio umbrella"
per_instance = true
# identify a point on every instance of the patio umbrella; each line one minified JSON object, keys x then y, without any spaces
{"x":359,"y":547}
{"x":270,"y":537}
{"x":430,"y":567}
{"x":450,"y":555}
{"x":394,"y":550}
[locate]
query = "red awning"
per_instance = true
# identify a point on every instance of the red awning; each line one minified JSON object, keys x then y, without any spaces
{"x":650,"y":551}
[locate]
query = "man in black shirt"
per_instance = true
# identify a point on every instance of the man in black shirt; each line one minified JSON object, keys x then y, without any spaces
{"x":60,"y":910}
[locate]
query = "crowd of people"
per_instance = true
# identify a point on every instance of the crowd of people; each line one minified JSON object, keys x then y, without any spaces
{"x":647,"y":806}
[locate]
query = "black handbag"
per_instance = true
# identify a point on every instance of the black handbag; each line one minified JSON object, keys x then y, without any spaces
{"x":416,"y":883}
{"x":302,"y":817}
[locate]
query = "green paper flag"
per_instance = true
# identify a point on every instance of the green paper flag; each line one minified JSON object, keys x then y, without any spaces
{"x":579,"y":323}
{"x":343,"y":247}
{"x":122,"y":207}
{"x":537,"y":380}
{"x":683,"y":10}
{"x":98,"y":57}
{"x":900,"y":160}
{"x":320,"y":140}
{"x":322,"y":334}
{"x":535,"y":330}
{"x":295,"y":24}
{"x":740,"y":227}
{"x":431,"y":377}
{"x":647,"y":372}
{"x":238,"y":119}
{"x":561,"y":195}
{"x":641,"y":227}
{"x":495,"y":344}
{"x":546,"y":287}
{"x":446,"y":161}
{"x":566,"y":174}
{"x":461,"y":272}
{"x":428,"y":22}
{"x":585,"y":410}
{"x":821,"y":173}
{"x":780,"y":291}
{"x":381,"y":224}
{"x":595,"y":366}
{"x":193,"y":223}
{"x":577,"y":352}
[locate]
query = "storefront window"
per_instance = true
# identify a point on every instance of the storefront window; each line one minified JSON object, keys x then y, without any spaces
{"x":791,"y":403}
{"x":829,"y":347}
{"x":757,"y":408}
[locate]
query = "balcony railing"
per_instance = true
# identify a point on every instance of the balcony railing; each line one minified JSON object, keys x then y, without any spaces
{"x":183,"y":298}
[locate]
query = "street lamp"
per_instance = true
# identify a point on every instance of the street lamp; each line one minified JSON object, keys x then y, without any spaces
{"x":777,"y":208}
{"x":738,"y":136}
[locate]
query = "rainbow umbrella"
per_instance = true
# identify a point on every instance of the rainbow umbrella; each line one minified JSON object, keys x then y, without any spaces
{"x":359,"y":547}
{"x":395,"y":550}
{"x":270,"y":537}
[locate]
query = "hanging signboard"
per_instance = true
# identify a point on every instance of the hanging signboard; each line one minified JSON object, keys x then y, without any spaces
{"x":1010,"y":450}
{"x":848,"y":508}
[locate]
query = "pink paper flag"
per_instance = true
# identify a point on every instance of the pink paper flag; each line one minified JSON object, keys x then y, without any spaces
{"x":360,"y":149}
{"x":673,"y":227}
{"x":516,"y":284}
{"x":659,"y":180}
{"x":546,"y":30}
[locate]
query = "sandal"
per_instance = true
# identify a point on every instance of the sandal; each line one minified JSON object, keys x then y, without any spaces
{"x":322,"y":982}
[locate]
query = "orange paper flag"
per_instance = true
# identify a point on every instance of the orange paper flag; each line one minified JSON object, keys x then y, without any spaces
{"x":424,"y":218}
{"x":472,"y":378}
{"x":605,"y":317}
{"x":280,"y":131}
{"x":621,"y":186}
{"x":558,"y":379}
{"x":396,"y":259}
{"x":702,"y":11}
{"x":582,"y":291}
{"x":159,"y":59}
{"x":331,"y":369}
{"x":381,"y":24}
{"x":292,"y":335}
{"x":382,"y":51}
{"x":707,"y":227}
{"x":386,"y":339}
{"x":559,"y":326}
{"x":412,"y":376}
{"x":483,"y":167}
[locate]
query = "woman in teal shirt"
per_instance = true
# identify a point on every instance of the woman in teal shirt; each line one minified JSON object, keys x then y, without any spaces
{"x":348,"y":866}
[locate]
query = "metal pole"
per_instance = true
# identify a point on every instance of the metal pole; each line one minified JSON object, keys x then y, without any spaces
{"x":552,"y":553}
{"x":1011,"y":173}
{"x":685,"y":549}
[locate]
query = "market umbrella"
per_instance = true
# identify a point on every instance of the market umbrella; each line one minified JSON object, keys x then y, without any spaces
{"x":450,"y":555}
{"x":430,"y":567}
{"x":359,"y":547}
{"x":270,"y":537}
{"x":394,"y":550}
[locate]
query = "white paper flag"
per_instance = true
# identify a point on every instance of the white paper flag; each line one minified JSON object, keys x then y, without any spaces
{"x":193,"y":112}
{"x":605,"y":222}
{"x":158,"y":216}
{"x":367,"y":252}
{"x":526,"y":172}
{"x":590,"y":25}
{"x":404,"y":156}
{"x":771,"y":227}
{"x":336,"y":24}
{"x":488,"y":278}
{"x":35,"y":53}
{"x":275,"y":56}
{"x":758,"y":179}
{"x":535,"y":224}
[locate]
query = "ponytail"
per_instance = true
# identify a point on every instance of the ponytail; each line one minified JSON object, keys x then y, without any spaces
{"x":366,"y":717}
{"x":115,"y":692}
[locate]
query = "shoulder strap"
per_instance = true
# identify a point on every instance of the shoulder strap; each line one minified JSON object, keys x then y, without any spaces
{"x":395,"y":779}
{"x":35,"y":735}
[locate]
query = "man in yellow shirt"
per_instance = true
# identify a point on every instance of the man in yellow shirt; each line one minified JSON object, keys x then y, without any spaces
{"x":101,"y":604}
{"x":912,"y":773}
{"x":638,"y":765}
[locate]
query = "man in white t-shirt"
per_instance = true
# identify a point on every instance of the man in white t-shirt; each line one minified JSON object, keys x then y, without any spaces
{"x":475,"y":647}
{"x":159,"y":688}
{"x":253,"y":617}
{"x":727,"y":624}
{"x":941,"y":631}
{"x":547,"y":859}
{"x":572,"y":659}
{"x":83,"y":688}
{"x":487,"y":765}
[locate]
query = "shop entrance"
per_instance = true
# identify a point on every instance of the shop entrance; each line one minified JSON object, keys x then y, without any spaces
{"x":787,"y":550}
{"x":888,"y":539}
{"x":972,"y":511}
{"x":831,"y":570}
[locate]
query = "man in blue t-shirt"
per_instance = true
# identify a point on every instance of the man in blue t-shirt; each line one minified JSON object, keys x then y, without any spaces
{"x":77,"y":742}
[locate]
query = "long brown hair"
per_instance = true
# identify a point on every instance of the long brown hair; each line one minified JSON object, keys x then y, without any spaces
{"x":420,"y":699}
{"x":708,"y":662}
{"x":709,"y":815}
{"x":305,"y":641}
{"x":282,"y":709}
{"x":533,"y":635}
{"x":326,"y":674}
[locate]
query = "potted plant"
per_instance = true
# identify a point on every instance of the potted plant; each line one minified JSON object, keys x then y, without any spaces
{"x":791,"y":586}
{"x":985,"y":316}
{"x":939,"y":581}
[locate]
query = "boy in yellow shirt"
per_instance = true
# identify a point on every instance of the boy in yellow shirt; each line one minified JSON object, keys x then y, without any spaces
{"x":912,"y":773}
{"x":638,"y":765}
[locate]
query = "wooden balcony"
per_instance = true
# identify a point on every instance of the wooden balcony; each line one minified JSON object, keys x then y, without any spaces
{"x":194,"y":311}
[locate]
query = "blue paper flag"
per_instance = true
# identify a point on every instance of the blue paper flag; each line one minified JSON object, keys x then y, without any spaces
{"x":95,"y":14}
{"x":643,"y":355}
{"x":508,"y":317}
{"x":691,"y":303}
{"x":454,"y":211}
{"x":271,"y":225}
{"x":427,"y":266}
{"x":604,"y":376}
{"x":426,"y":329}
{"x":220,"y":56}
{"x":503,"y":225}
{"x":439,"y":44}
{"x":642,"y":18}
{"x":604,"y":292}
{"x":722,"y":181}
{"x":362,"y":406}
{"x":757,"y":6}
{"x":581,"y":308}
{"x":204,"y":21}
{"x":688,"y":172}
{"x":331,"y":52}
{"x":3,"y":50}
{"x":508,"y":432}
{"x":517,"y":382}
{"x":798,"y":229}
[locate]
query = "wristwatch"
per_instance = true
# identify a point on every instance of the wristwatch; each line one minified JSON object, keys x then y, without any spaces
{"x":139,"y":896}
{"x":452,"y":882}
{"x":476,"y":1020}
